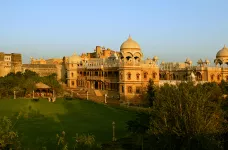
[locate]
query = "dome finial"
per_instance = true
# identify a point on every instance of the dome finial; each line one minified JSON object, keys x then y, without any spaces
{"x":129,"y":36}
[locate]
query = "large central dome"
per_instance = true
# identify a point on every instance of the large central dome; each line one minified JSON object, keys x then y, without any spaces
{"x":223,"y":52}
{"x":130,"y":44}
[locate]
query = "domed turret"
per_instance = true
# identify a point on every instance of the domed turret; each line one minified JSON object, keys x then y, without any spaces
{"x":74,"y":58}
{"x":222,"y":56}
{"x":222,"y":53}
{"x":162,"y":63}
{"x":155,"y":58}
{"x":130,"y":44}
{"x":130,"y":51}
{"x":114,"y":55}
{"x":200,"y":62}
{"x":188,"y":61}
{"x":207,"y":62}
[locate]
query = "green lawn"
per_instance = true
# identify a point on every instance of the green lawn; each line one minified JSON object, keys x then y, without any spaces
{"x":76,"y":116}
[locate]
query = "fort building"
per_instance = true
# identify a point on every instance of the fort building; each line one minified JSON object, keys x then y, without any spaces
{"x":45,"y":67}
{"x":10,"y":63}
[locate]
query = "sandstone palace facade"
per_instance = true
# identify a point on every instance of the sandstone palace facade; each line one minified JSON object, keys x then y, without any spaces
{"x":122,"y":74}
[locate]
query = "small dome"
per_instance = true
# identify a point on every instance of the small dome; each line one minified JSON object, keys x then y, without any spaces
{"x":187,"y":60}
{"x":223,"y":52}
{"x":200,"y":61}
{"x":207,"y":61}
{"x":130,"y":44}
{"x":155,"y":58}
{"x":74,"y":58}
{"x":114,"y":55}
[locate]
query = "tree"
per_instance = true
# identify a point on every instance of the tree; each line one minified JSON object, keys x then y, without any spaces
{"x":224,"y":86}
{"x":151,"y":92}
{"x":51,"y":80}
{"x":187,"y":115}
{"x":28,"y":86}
{"x":140,"y":126}
{"x":30,"y":74}
{"x":214,"y":89}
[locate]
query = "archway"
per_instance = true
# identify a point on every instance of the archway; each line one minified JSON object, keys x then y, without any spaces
{"x":198,"y":76}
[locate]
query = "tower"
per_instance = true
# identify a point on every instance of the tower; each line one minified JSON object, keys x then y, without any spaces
{"x":130,"y":70}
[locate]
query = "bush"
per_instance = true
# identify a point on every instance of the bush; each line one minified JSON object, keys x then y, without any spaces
{"x":9,"y":138}
{"x":85,"y":142}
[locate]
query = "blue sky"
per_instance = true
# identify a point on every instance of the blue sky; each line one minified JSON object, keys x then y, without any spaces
{"x":170,"y":29}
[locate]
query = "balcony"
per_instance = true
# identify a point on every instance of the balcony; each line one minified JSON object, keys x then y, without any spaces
{"x":95,"y":78}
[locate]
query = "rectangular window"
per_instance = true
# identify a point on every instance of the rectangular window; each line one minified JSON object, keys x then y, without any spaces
{"x":154,"y":75}
{"x":145,"y":75}
{"x":129,"y":89}
{"x":137,"y":90}
{"x":72,"y":83}
{"x":122,"y":89}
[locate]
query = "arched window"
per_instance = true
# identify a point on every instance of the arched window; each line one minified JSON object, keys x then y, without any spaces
{"x":219,"y":77}
{"x":129,"y":89}
{"x":137,"y":76}
{"x":154,"y":75}
{"x":198,"y":76}
{"x":72,"y":83}
{"x":226,"y":78}
{"x":145,"y":75}
{"x":174,"y":77}
{"x":177,"y":77}
{"x":72,"y":74}
{"x":212,"y":77}
{"x":170,"y":76}
{"x":121,"y":76}
{"x":138,"y":90}
{"x":129,"y":76}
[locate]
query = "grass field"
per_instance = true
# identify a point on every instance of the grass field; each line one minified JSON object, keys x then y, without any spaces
{"x":73,"y":117}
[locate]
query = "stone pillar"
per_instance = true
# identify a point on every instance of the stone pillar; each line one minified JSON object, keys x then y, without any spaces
{"x":113,"y":131}
{"x":14,"y":94}
{"x":99,"y":85}
{"x":105,"y":99}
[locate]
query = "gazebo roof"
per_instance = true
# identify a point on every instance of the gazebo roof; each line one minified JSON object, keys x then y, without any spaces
{"x":41,"y":85}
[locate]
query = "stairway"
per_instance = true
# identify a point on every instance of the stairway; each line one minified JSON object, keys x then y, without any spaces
{"x":96,"y":95}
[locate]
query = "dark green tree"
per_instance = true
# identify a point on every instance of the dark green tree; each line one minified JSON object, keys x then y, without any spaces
{"x":139,"y":126}
{"x":224,"y":86}
{"x":51,"y":81}
{"x":30,"y":74}
{"x":186,"y":117}
{"x":151,"y":92}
